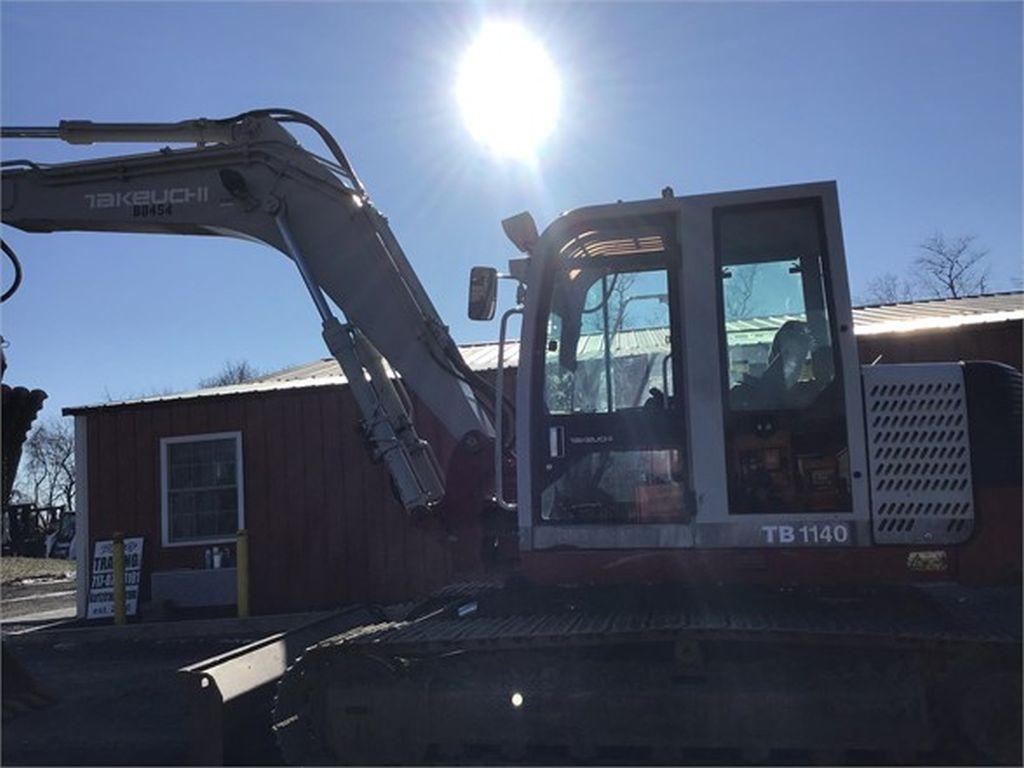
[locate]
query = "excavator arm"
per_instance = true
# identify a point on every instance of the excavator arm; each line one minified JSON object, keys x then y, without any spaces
{"x":247,"y":177}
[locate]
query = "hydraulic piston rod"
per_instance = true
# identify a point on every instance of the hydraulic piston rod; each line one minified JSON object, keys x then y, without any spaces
{"x":417,"y":477}
{"x":200,"y":131}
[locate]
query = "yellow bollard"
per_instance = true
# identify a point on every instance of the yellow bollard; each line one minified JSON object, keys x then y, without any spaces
{"x":242,"y":573}
{"x":118,"y":575}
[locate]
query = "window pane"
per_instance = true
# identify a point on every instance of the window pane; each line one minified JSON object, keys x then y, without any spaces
{"x":202,"y":475}
{"x":227,"y":522}
{"x":202,"y":501}
{"x":224,"y":473}
{"x":608,"y":340}
{"x":177,"y":476}
{"x":223,"y":450}
{"x":182,"y":526}
{"x":785,"y":430}
{"x":778,"y":338}
{"x":618,"y":486}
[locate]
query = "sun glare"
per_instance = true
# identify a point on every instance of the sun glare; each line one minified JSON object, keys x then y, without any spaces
{"x":508,"y":90}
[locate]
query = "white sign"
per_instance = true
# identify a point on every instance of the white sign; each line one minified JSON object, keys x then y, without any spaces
{"x":101,"y":580}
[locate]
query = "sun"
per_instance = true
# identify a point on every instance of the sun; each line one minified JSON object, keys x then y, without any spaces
{"x":508,"y":90}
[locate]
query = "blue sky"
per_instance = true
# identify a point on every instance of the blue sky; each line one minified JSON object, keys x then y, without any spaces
{"x":914,"y":108}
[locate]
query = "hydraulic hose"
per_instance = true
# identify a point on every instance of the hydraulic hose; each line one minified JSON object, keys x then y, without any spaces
{"x":9,"y":252}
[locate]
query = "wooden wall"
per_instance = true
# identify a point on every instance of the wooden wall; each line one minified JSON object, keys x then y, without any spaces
{"x":324,"y":528}
{"x":999,"y":342}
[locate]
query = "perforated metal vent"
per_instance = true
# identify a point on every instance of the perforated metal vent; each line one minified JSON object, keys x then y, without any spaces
{"x":919,"y":453}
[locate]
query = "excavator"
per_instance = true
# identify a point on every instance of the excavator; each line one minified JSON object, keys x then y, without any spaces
{"x":698,"y":531}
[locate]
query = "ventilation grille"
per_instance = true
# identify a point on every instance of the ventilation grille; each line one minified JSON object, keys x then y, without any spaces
{"x":919,"y":453}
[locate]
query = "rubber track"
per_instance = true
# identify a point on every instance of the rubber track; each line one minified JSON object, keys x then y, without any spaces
{"x":915,"y":619}
{"x":946,"y":617}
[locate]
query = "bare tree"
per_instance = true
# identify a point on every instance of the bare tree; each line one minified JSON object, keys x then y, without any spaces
{"x":888,"y":288}
{"x":739,"y":290}
{"x":618,"y":300}
{"x":952,"y":267}
{"x":138,"y":394}
{"x":46,"y":476}
{"x":233,"y":372}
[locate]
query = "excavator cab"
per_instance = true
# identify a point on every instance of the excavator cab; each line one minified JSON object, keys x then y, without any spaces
{"x":689,"y":377}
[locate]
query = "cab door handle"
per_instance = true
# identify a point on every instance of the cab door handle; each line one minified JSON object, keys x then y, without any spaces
{"x":556,"y":442}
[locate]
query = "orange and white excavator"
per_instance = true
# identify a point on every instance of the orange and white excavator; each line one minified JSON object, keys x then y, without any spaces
{"x":727,"y":540}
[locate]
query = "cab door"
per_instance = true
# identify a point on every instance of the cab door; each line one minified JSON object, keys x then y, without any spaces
{"x":611,"y":437}
{"x":779,"y":404}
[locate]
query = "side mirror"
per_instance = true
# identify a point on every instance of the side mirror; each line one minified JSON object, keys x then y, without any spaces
{"x":483,"y":293}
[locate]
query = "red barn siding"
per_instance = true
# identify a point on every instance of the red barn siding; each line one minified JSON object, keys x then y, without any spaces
{"x":323,"y":526}
{"x":999,"y":342}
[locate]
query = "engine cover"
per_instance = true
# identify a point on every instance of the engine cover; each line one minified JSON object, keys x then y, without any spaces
{"x":919,"y":453}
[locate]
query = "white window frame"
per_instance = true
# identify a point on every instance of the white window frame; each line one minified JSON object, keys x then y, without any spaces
{"x":239,"y":482}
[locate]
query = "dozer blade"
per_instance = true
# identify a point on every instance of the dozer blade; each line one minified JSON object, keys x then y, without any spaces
{"x":229,"y":696}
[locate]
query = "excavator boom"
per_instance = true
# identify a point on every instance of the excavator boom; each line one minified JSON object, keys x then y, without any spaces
{"x":247,"y":177}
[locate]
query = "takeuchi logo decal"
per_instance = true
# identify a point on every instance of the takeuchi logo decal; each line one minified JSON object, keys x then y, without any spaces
{"x":590,"y":439}
{"x":148,"y":197}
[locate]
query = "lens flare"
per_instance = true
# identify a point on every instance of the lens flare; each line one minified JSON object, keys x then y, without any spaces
{"x":508,"y":90}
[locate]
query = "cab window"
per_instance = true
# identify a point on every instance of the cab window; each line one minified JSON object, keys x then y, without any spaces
{"x":610,"y":430}
{"x":785,"y":426}
{"x":777,"y":332}
{"x":608,"y":340}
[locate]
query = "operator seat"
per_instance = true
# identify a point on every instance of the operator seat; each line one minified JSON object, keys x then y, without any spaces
{"x":777,"y":387}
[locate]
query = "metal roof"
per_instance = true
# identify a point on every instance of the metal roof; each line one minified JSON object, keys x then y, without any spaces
{"x":938,"y":313}
{"x":483,"y":356}
{"x":319,"y":373}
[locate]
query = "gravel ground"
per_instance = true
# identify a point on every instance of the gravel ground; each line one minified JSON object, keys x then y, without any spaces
{"x":15,"y":569}
{"x":117,"y":703}
{"x":117,"y":697}
{"x":36,"y":600}
{"x":36,"y":588}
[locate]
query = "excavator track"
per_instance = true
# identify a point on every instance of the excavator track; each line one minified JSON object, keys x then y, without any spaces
{"x":660,"y":676}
